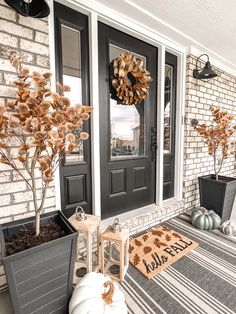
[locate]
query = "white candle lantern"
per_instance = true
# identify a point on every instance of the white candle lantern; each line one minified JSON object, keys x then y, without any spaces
{"x":114,"y":251}
{"x":89,"y":234}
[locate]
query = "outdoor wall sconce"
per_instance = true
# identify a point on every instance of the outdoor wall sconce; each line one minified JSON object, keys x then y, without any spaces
{"x":33,"y":8}
{"x":194,"y":122}
{"x":206,"y":72}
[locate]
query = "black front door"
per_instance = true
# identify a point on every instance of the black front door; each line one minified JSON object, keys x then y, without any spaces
{"x":72,"y":61}
{"x":127,"y":133}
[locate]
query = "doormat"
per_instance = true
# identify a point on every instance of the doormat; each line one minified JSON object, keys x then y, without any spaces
{"x":155,"y":250}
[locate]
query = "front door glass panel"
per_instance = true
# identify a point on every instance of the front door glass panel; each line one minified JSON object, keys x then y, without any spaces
{"x":169,"y":126}
{"x":168,"y":109}
{"x":71,"y":68}
{"x":127,"y":123}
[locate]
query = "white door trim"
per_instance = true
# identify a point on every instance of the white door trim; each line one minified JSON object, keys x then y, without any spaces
{"x":160,"y":124}
{"x":94,"y":96}
{"x":52,"y":57}
{"x":180,"y":121}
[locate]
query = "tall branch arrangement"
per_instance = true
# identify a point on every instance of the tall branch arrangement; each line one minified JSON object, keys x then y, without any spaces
{"x":43,"y":125}
{"x":218,"y":136}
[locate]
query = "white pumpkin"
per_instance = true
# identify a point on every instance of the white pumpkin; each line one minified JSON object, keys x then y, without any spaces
{"x":229,"y":228}
{"x":97,"y":294}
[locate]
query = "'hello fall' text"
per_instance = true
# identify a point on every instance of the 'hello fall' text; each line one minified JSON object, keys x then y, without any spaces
{"x":172,"y":250}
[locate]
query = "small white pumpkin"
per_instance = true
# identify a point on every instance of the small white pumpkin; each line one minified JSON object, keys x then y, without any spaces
{"x":91,"y":296}
{"x":229,"y":228}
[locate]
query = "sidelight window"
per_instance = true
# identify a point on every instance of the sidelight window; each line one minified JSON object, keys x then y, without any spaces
{"x":72,"y":76}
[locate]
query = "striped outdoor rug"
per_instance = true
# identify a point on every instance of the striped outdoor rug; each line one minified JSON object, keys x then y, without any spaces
{"x":203,"y":281}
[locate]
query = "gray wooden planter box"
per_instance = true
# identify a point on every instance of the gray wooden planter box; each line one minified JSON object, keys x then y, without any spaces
{"x":40,"y":278}
{"x":217,"y":195}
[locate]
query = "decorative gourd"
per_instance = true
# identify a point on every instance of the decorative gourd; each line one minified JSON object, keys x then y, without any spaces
{"x":91,"y":296}
{"x":229,"y":228}
{"x":204,"y":219}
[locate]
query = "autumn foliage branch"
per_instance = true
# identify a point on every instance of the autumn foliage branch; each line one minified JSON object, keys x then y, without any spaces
{"x":217,"y":136}
{"x":43,"y":125}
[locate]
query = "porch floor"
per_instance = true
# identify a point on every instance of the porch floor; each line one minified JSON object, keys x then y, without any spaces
{"x":5,"y":301}
{"x":202,"y":281}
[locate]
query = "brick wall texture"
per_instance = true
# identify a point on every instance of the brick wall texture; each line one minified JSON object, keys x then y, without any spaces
{"x":200,"y":95}
{"x":29,"y":37}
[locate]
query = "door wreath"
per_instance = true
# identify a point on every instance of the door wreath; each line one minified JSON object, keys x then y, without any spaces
{"x":130,"y":81}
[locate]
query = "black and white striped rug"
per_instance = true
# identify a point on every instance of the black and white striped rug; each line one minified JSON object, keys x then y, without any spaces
{"x":201,"y":282}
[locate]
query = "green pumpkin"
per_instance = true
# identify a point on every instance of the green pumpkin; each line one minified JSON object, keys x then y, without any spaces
{"x":205,"y":219}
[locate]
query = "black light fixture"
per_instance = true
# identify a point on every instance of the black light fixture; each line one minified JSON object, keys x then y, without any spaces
{"x":206,"y":72}
{"x":33,"y":8}
{"x":194,"y":122}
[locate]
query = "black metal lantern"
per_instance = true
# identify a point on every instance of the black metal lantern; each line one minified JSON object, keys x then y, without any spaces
{"x":206,"y":73}
{"x":33,"y":8}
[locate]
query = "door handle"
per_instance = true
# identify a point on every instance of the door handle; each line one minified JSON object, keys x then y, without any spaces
{"x":153,"y":143}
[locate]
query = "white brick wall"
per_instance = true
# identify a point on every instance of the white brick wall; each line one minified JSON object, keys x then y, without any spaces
{"x":7,"y":13}
{"x":29,"y":37}
{"x":16,"y":29}
{"x":41,"y":37}
{"x":34,"y":47}
{"x":36,"y":24}
{"x":200,"y":95}
{"x":155,"y":216}
{"x":9,"y":40}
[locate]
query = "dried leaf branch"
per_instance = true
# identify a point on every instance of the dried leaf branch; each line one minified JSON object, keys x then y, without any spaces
{"x":45,"y":127}
{"x":218,"y":136}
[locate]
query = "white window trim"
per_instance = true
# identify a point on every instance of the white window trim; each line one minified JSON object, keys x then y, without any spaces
{"x":180,"y":119}
{"x":94,"y":96}
{"x":98,"y":12}
{"x":160,"y":124}
{"x":53,"y":85}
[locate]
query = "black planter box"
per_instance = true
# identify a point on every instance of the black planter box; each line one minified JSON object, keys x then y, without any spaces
{"x":40,"y":278}
{"x":217,"y":195}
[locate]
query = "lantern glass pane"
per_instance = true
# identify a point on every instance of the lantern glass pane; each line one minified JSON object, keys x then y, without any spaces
{"x":112,"y":258}
{"x":95,"y":246}
{"x":81,"y":248}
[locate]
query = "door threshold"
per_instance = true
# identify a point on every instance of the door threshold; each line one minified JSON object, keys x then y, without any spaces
{"x":132,"y":213}
{"x":142,"y":218}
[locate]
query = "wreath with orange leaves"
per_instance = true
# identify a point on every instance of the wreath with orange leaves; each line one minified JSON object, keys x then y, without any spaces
{"x":130,"y":81}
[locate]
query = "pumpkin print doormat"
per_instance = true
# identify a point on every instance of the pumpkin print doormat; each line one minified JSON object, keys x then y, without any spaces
{"x":155,"y":250}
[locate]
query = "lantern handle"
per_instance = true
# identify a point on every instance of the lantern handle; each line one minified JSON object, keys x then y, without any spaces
{"x":116,"y":227}
{"x":80,"y":213}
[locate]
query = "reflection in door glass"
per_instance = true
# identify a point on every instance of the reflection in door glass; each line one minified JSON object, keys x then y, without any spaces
{"x":71,"y":68}
{"x":168,"y":108}
{"x":127,"y":123}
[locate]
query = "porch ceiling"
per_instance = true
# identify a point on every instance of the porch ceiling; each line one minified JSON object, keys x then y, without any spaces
{"x":207,"y":25}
